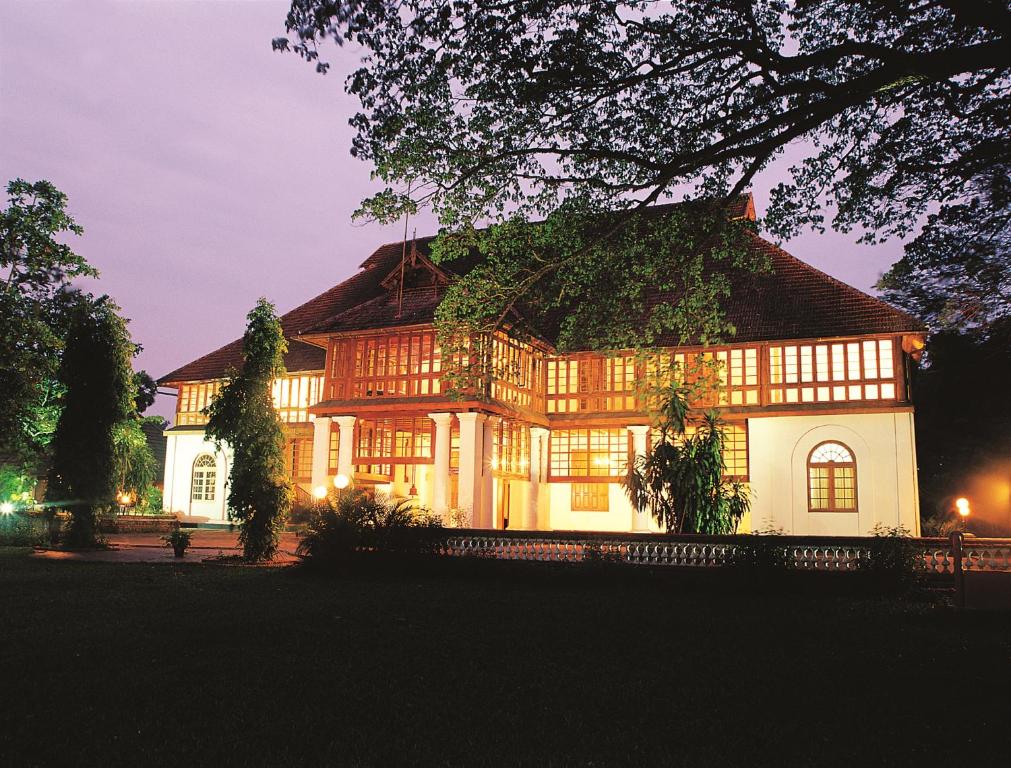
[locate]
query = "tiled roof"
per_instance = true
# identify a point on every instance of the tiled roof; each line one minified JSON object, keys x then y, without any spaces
{"x":792,"y":301}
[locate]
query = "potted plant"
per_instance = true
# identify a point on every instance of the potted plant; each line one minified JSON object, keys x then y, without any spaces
{"x":178,"y":540}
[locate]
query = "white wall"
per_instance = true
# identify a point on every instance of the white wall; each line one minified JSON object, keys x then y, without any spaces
{"x":884,"y":450}
{"x":618,"y":517}
{"x":181,"y":451}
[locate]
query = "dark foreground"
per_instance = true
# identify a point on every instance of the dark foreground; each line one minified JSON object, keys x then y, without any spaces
{"x":158,"y":665}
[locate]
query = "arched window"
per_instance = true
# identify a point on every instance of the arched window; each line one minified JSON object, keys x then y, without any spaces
{"x":205,"y":474}
{"x":831,"y":479}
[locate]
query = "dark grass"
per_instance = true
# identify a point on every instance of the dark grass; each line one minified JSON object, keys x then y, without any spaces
{"x":470,"y":665}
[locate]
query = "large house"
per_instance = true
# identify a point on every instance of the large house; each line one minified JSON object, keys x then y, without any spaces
{"x":815,"y":396}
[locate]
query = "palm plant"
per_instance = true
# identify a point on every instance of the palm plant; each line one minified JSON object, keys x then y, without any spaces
{"x":681,"y":479}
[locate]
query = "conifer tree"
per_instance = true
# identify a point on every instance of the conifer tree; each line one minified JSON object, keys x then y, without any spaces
{"x":96,"y":372}
{"x":243,"y":416}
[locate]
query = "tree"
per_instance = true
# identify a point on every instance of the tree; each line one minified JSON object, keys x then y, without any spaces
{"x":243,"y":416}
{"x":37,"y":302}
{"x":477,"y":108}
{"x":956,"y":276}
{"x":95,"y":371}
{"x":147,"y":390}
{"x":680,"y":480}
{"x":134,"y":462}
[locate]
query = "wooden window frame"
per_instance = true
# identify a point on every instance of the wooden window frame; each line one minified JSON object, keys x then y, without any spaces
{"x":584,"y":497}
{"x":208,"y":474}
{"x":617,"y":450}
{"x":377,"y":366}
{"x":830,"y":490}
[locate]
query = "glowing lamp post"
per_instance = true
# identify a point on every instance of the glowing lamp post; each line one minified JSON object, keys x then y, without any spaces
{"x":340,"y":483}
{"x":319,"y":492}
{"x":125,"y":500}
{"x":962,"y":505}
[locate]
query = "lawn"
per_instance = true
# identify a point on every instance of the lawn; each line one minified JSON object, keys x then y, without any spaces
{"x":158,"y":665}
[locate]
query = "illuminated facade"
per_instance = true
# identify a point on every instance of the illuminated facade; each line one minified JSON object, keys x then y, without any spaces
{"x":814,"y":391}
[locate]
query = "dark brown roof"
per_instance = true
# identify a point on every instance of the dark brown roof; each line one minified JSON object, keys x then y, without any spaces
{"x":792,"y":301}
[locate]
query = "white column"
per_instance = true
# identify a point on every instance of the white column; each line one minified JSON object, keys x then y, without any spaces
{"x":537,"y":437}
{"x":320,"y":450}
{"x":169,"y":482}
{"x":487,"y":477}
{"x":640,"y":436}
{"x":346,"y":446}
{"x":471,"y":450}
{"x":440,"y":472}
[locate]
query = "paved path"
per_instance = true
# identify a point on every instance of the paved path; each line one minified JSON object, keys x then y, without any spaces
{"x":149,"y":548}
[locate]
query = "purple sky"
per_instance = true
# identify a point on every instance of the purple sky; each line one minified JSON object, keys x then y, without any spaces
{"x":208,"y":170}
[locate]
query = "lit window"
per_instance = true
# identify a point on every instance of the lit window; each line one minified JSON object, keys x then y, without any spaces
{"x":832,"y":479}
{"x":586,"y":453}
{"x":205,"y":474}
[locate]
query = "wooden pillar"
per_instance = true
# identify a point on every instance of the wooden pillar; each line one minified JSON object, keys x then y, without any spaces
{"x":440,"y":472}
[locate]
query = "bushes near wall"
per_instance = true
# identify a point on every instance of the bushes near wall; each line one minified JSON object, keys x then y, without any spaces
{"x":354,"y":524}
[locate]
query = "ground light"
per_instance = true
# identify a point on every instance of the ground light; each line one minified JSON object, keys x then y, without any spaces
{"x":6,"y":508}
{"x":319,"y":492}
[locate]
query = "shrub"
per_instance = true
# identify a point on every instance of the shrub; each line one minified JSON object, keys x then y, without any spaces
{"x":20,"y":530}
{"x":893,"y":560}
{"x":154,"y":501}
{"x":356,"y":522}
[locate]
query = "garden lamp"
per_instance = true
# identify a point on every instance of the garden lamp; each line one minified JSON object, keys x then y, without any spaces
{"x":341,"y":482}
{"x":6,"y":508}
{"x":319,"y":492}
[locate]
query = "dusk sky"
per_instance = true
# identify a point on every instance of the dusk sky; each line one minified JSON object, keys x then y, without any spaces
{"x":208,"y":170}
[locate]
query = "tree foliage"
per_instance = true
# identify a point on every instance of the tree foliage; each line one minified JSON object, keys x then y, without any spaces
{"x":243,"y":416}
{"x":681,"y":479}
{"x":37,"y":302}
{"x":95,"y":371}
{"x":483,"y":109}
{"x":134,"y":462}
{"x":956,"y":276}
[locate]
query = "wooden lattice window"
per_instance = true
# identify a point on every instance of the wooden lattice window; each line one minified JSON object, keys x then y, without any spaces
{"x":333,"y":449}
{"x":396,"y":440}
{"x":590,"y":497}
{"x":511,"y":449}
{"x":832,"y":479}
{"x":400,"y":365}
{"x":590,"y":383}
{"x":205,"y":475}
{"x":833,"y":372}
{"x":299,"y":459}
{"x":193,"y":398}
{"x":588,"y":454}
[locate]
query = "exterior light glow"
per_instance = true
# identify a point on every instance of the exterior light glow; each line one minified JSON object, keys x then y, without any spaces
{"x":341,"y":482}
{"x":962,"y":505}
{"x":319,"y":492}
{"x":493,"y":463}
{"x":125,"y":498}
{"x":6,"y":508}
